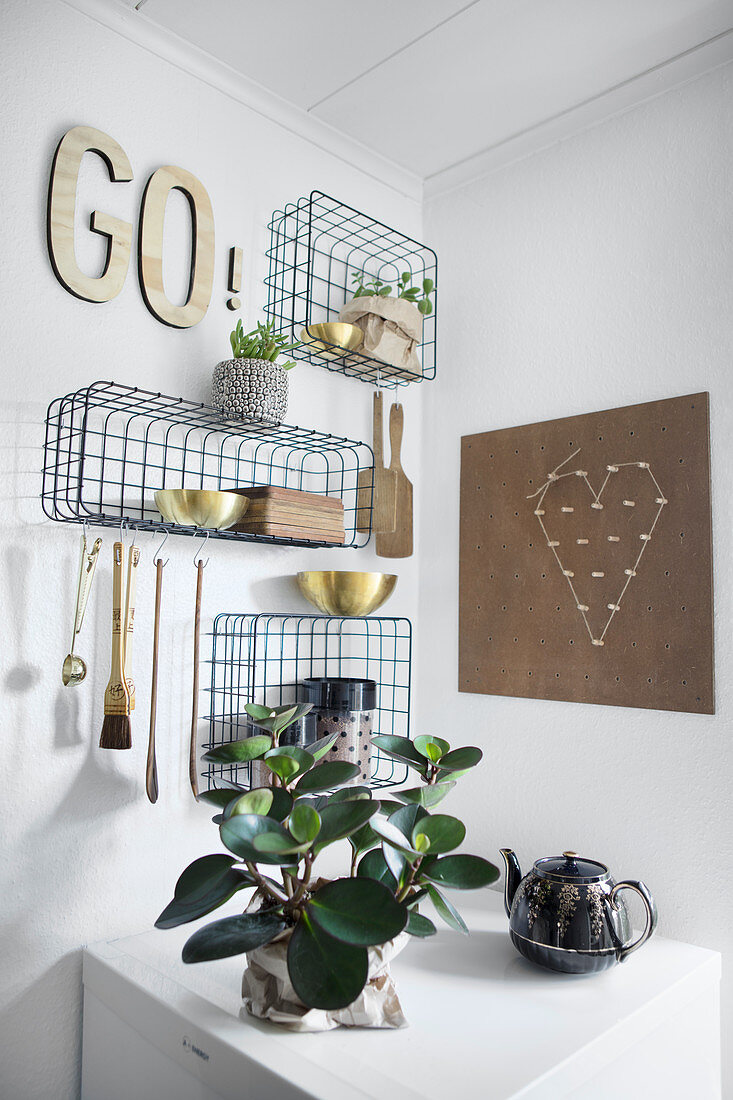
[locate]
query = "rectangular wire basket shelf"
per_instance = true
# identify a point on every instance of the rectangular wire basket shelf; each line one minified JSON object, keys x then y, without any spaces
{"x":263,"y":658}
{"x":109,"y":447}
{"x":316,"y":246}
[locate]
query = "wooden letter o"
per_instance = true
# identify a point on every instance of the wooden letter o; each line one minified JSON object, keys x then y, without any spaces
{"x":61,"y":207}
{"x":152,"y":218}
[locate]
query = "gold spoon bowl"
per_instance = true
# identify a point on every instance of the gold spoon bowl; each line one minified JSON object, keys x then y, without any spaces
{"x":216,"y":509}
{"x":337,"y":592}
{"x":332,"y":339}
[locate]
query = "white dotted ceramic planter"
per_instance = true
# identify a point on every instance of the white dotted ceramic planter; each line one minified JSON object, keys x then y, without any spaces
{"x":250,"y":389}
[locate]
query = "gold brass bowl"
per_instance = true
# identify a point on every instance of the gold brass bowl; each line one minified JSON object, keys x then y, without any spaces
{"x":321,"y":337}
{"x":212,"y":508}
{"x":342,"y":593}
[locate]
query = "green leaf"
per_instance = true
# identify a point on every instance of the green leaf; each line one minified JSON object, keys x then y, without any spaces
{"x":238,"y":833}
{"x":232,"y":936}
{"x":442,"y":832}
{"x":405,"y":818}
{"x":305,"y":823}
{"x":288,"y":762}
{"x":460,"y":759}
{"x":319,"y":748}
{"x":447,"y":911}
{"x":257,"y":801}
{"x":360,"y":911}
{"x":205,"y":885}
{"x":239,"y":752}
{"x":364,"y":839}
{"x":349,"y":794}
{"x":343,"y":818}
{"x":220,"y":796}
{"x":418,"y":925}
{"x":425,"y":307}
{"x":277,"y":843}
{"x":428,"y":286}
{"x":421,"y":843}
{"x":254,"y":710}
{"x":431,"y":747}
{"x":374,"y":865}
{"x":393,"y":836}
{"x":460,"y":872}
{"x":325,"y":972}
{"x":324,"y":777}
{"x":426,"y":796}
{"x":400,"y":748}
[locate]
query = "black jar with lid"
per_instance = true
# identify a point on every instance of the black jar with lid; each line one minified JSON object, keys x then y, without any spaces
{"x":343,"y":705}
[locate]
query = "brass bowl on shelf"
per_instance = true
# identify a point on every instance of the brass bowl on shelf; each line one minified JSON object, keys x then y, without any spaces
{"x":215,"y":509}
{"x":336,"y":592}
{"x":320,"y":338}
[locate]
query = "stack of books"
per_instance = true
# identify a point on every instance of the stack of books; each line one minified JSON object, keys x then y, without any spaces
{"x":292,"y":514}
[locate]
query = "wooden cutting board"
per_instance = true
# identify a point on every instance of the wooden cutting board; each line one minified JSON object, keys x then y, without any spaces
{"x":398,"y":544}
{"x":380,"y":489}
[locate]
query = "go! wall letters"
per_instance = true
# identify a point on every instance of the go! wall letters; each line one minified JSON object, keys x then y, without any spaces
{"x":61,"y":207}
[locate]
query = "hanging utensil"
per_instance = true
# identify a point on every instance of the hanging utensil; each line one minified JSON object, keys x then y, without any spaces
{"x":151,"y":767}
{"x":377,"y":488}
{"x":192,"y":765}
{"x":116,"y":732}
{"x":132,"y":564}
{"x":399,"y":543}
{"x":74,"y":668}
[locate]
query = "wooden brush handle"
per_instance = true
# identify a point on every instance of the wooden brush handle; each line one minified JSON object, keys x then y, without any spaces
{"x":192,"y":765}
{"x":151,"y":767}
{"x":130,"y":621}
{"x":117,"y":695}
{"x":378,"y":430}
{"x":396,"y":425}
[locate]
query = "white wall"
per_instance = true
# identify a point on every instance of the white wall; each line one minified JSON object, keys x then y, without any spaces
{"x":595,"y":274}
{"x":85,"y":856}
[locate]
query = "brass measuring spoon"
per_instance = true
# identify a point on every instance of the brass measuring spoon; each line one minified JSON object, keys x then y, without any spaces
{"x":74,"y":668}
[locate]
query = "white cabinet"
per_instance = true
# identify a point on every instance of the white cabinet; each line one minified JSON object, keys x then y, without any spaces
{"x":485,"y":1025}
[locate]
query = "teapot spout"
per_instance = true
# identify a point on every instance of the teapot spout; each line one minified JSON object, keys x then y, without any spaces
{"x":512,"y":878}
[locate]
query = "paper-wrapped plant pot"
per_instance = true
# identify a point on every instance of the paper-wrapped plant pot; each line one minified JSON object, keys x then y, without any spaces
{"x":392,"y":330}
{"x":268,"y":992}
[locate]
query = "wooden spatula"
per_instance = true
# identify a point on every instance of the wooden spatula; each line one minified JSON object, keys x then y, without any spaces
{"x":383,"y":493}
{"x":398,"y":544}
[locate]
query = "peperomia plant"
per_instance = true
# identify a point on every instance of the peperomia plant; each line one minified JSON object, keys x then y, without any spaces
{"x":261,"y":343}
{"x":401,"y":855}
{"x":405,"y":289}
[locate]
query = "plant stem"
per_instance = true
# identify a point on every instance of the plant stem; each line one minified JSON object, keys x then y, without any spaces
{"x":264,"y":886}
{"x":410,"y":880}
{"x":354,"y":857}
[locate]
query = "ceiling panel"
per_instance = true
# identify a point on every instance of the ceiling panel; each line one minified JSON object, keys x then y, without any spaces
{"x":503,"y":66}
{"x":302,"y":51}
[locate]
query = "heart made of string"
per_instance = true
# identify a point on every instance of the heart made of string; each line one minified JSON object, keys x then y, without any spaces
{"x":598,"y":538}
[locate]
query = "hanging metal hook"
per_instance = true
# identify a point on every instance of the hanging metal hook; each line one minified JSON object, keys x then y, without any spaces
{"x":156,"y":555}
{"x":123,"y":528}
{"x":199,"y":551}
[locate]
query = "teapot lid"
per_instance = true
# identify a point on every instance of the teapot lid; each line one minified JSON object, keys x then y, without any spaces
{"x":572,"y":868}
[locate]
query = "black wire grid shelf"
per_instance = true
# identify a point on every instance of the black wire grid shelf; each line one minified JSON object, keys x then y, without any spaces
{"x":109,"y":447}
{"x":263,"y":658}
{"x":316,"y":246}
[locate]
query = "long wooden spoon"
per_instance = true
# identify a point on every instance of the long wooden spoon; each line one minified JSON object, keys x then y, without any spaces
{"x":151,"y":767}
{"x":192,"y":766}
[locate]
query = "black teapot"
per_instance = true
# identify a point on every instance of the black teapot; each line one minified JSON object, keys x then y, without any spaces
{"x":566,"y":914}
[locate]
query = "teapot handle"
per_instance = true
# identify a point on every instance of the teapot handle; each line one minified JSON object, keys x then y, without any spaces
{"x":651,"y":914}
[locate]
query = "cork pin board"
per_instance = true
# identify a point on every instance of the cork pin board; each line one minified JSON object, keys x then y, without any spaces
{"x":586,"y":559}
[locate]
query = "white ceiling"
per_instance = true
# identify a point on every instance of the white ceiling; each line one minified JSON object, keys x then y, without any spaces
{"x":431,"y":84}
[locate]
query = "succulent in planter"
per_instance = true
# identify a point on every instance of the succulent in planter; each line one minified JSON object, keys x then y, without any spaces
{"x":317,"y":950}
{"x":392,"y":325}
{"x":252,"y":385}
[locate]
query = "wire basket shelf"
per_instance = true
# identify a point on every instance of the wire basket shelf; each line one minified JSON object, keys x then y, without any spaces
{"x":263,"y":658}
{"x":317,"y":245}
{"x":110,"y":447}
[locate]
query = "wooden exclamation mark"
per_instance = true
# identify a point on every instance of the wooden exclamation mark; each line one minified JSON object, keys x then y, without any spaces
{"x":235,"y":277}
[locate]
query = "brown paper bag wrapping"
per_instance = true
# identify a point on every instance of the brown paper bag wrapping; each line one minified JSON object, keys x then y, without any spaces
{"x":392,"y":330}
{"x":269,"y":994}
